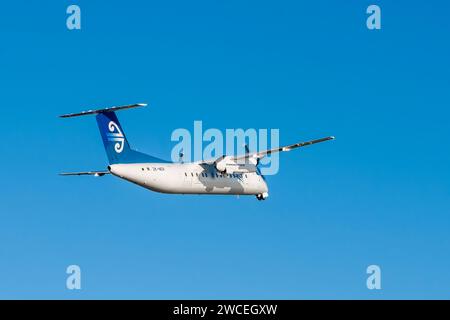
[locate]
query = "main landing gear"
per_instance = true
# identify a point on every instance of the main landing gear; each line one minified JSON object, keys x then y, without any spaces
{"x":262,"y":196}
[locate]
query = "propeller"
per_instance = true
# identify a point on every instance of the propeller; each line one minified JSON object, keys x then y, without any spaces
{"x":181,"y":155}
{"x":258,"y":170}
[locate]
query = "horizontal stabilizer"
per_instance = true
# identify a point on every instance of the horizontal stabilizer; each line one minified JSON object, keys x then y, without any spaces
{"x":85,"y":173}
{"x":110,"y":109}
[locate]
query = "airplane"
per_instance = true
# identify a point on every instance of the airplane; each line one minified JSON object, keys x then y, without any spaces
{"x":226,"y":175}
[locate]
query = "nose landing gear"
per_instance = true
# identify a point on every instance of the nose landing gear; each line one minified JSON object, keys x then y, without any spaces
{"x":262,"y":196}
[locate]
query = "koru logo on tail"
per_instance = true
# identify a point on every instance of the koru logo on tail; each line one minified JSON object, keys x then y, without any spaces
{"x":116,"y":135}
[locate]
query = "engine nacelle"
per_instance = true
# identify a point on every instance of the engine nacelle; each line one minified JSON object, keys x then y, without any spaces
{"x":226,"y":165}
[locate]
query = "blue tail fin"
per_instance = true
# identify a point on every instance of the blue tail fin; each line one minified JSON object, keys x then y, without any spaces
{"x":116,"y":144}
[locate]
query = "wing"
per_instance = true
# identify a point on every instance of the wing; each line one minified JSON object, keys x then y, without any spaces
{"x":262,"y":154}
{"x":85,"y":173}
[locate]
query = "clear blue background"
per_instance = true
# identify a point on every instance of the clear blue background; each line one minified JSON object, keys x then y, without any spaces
{"x":378,"y":194}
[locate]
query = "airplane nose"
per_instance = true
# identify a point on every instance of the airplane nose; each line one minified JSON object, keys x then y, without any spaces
{"x":265,"y":186}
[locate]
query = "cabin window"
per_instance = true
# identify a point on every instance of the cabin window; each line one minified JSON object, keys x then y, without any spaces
{"x":142,"y":169}
{"x":196,"y":174}
{"x":185,"y":174}
{"x":206,"y":175}
{"x":192,"y":174}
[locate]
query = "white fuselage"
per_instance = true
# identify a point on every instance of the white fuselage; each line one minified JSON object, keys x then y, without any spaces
{"x":189,"y":178}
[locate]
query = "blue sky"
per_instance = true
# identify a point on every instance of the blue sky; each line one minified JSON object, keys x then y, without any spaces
{"x":378,"y":194}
